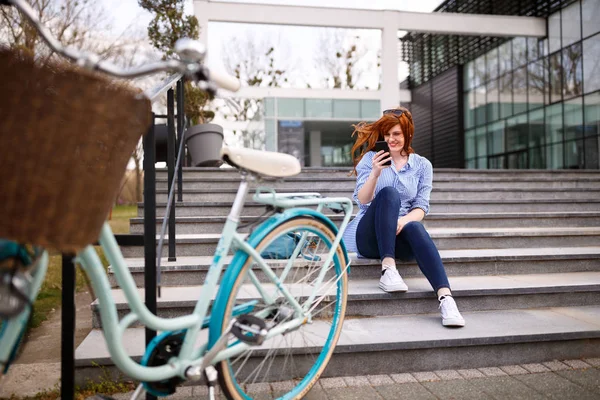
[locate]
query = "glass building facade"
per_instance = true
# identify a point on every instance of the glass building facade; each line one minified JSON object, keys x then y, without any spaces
{"x":318,"y":131}
{"x":532,"y":103}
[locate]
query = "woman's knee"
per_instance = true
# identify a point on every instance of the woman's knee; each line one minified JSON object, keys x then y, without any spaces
{"x":414,"y":226}
{"x":388,"y":193}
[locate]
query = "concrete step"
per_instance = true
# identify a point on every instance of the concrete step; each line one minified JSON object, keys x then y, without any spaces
{"x":365,"y":299}
{"x":444,"y":173}
{"x":347,"y":183}
{"x":409,"y":343}
{"x":191,"y":225}
{"x":444,"y":238}
{"x":187,"y":271}
{"x":228,"y":195}
{"x":191,"y":209}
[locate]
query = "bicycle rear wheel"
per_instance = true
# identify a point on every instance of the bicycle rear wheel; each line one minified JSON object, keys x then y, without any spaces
{"x":296,"y":359}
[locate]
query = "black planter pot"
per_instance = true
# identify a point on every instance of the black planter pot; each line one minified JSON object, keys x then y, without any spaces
{"x":204,"y":144}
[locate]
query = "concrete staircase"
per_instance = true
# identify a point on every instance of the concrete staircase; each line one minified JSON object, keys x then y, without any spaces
{"x":522,"y":249}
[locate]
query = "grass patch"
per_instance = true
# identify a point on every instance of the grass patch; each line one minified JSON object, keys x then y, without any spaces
{"x":105,"y":386}
{"x":50,"y":293}
{"x":119,"y":221}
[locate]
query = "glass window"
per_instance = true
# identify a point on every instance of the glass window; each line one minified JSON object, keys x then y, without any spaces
{"x":468,"y":75}
{"x":481,"y":141}
{"x":591,"y":64}
{"x":520,"y":90}
{"x":496,"y":138}
{"x":469,"y":110}
{"x":555,"y":78}
{"x":505,"y":58}
{"x":319,"y":108}
{"x":482,"y":163}
{"x":591,"y":16}
{"x":537,"y":158}
{"x":572,"y":72}
{"x":519,"y":51}
{"x":270,"y":135}
{"x":554,"y":32}
{"x":536,"y":128}
{"x":543,"y":47}
{"x":415,"y":73}
{"x":471,"y":164}
{"x":554,"y":156}
{"x":493,"y":112}
{"x":591,"y":152}
{"x":506,"y":97}
{"x":470,"y":144}
{"x":346,"y":109}
{"x":571,"y":24}
{"x":533,"y":49}
{"x":492,"y":63}
{"x":573,"y":117}
{"x":269,"y":107}
{"x":517,"y":160}
{"x":517,"y":132}
{"x":370,"y":109}
{"x":479,"y":72}
{"x":496,"y":162}
{"x":537,"y":83}
{"x":290,"y":108}
{"x":554,"y":124}
{"x":592,"y":114}
{"x":574,"y":154}
{"x":480,"y":105}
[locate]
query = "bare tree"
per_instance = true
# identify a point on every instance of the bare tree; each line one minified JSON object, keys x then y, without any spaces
{"x":342,"y":59}
{"x":75,"y":23}
{"x":255,"y":63}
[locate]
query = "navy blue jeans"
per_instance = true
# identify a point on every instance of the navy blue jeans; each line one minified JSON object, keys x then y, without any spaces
{"x":376,"y":238}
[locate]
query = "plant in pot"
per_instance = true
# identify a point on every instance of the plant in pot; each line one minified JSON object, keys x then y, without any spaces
{"x":203,"y":139}
{"x":170,"y":23}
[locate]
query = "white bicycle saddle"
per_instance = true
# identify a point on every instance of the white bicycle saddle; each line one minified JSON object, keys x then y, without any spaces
{"x":261,"y":162}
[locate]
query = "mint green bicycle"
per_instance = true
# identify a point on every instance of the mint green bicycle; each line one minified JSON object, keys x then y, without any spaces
{"x":276,"y":312}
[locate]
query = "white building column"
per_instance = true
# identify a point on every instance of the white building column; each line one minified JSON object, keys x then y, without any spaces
{"x":201,"y":12}
{"x":390,"y":86}
{"x":315,"y":148}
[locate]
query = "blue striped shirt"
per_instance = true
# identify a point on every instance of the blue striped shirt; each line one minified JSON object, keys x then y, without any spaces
{"x":413,"y":182}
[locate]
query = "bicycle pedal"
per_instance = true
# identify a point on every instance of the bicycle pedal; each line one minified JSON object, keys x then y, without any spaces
{"x":250,"y":329}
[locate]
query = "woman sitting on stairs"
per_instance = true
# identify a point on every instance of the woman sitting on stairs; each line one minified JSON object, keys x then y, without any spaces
{"x":393,"y":200}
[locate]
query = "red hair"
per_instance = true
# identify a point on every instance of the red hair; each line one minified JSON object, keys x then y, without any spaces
{"x":369,"y":133}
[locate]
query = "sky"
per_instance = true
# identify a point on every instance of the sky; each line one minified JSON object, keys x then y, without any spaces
{"x":127,"y":12}
{"x":296,"y":46}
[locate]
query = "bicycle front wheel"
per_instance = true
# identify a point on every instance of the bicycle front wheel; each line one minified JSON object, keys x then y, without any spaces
{"x":295,"y":360}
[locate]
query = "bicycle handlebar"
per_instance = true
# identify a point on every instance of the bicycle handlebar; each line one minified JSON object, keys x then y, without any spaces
{"x":190,"y":65}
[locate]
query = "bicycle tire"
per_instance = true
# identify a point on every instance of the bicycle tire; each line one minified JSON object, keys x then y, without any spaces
{"x":299,"y":381}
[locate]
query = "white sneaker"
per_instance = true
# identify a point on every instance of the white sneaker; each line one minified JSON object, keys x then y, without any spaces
{"x":391,"y":281}
{"x":450,"y":314}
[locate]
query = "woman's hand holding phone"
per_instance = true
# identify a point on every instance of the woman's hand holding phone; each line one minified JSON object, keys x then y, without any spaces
{"x":381,"y":159}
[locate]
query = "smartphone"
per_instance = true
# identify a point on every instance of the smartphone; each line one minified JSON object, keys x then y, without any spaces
{"x":383,"y":146}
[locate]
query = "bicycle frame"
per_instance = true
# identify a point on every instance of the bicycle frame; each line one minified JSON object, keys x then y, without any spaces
{"x":193,"y":323}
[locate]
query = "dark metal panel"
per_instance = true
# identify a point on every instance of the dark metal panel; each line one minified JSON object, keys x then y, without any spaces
{"x":421,"y":112}
{"x":447,"y":141}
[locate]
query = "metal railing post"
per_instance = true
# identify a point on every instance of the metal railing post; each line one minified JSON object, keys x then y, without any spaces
{"x":67,"y":348}
{"x":150,"y":229}
{"x":180,"y":132}
{"x":171,"y":149}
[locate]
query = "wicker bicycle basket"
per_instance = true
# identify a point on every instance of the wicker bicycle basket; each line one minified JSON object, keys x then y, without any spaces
{"x":66,"y":136}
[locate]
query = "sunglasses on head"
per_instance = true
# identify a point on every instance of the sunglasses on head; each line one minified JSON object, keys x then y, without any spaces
{"x":394,"y":111}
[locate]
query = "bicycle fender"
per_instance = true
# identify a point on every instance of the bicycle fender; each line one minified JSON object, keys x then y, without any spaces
{"x":240,"y":258}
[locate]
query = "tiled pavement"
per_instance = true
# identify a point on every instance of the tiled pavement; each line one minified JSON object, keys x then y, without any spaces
{"x":567,"y":379}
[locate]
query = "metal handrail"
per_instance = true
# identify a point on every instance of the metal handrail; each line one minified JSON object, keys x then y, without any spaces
{"x":155,"y":92}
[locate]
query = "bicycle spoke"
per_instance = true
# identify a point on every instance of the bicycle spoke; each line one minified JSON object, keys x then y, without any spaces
{"x":292,"y":355}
